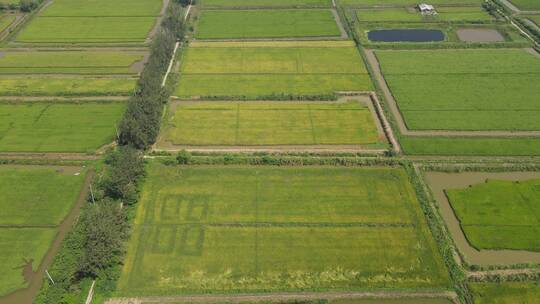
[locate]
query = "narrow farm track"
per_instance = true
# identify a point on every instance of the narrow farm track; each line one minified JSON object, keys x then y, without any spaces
{"x":284,"y":297}
{"x":402,"y":126}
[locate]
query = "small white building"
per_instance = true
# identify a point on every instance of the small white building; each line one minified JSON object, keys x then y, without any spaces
{"x":426,"y":9}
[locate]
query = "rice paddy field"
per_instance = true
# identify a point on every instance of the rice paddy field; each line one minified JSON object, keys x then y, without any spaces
{"x":499,"y":214}
{"x":70,"y":62}
{"x":526,"y":5}
{"x":505,"y":293}
{"x":257,"y":70}
{"x":31,"y":85}
{"x":34,"y":201}
{"x":271,"y":123}
{"x":483,"y":89}
{"x":406,"y":3}
{"x":219,"y":24}
{"x":99,"y":21}
{"x":246,"y":229}
{"x":444,"y":14}
{"x":265,"y":3}
{"x":471,"y":146}
{"x":58,"y":127}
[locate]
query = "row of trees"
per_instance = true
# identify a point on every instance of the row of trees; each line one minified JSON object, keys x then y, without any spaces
{"x":95,"y":246}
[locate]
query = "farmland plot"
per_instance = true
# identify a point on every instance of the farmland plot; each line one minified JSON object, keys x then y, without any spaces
{"x":265,"y":3}
{"x":30,"y":85}
{"x":444,"y":14}
{"x":405,"y":3}
{"x":526,"y":5}
{"x":499,"y":214}
{"x":464,"y":89}
{"x":267,"y":123}
{"x":266,"y":24}
{"x":34,"y":201}
{"x":255,"y":71}
{"x":57,"y":127}
{"x":236,"y":229}
{"x":505,"y":293}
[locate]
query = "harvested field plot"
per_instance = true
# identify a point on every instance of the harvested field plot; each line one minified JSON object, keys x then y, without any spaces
{"x":479,"y":35}
{"x":266,"y":24}
{"x":57,"y":127}
{"x":499,"y":214}
{"x":64,"y":86}
{"x":241,"y":229}
{"x":464,"y":89}
{"x":265,"y":3}
{"x":505,"y":293}
{"x":444,"y":14}
{"x":34,"y":201}
{"x":69,"y":62}
{"x":526,"y":5}
{"x":271,"y":123}
{"x":256,"y":71}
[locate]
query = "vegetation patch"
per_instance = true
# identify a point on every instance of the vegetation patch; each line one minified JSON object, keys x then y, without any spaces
{"x":78,"y":8}
{"x":265,"y":3}
{"x":464,"y":89}
{"x":66,"y":86}
{"x":256,"y":72}
{"x":526,"y":5}
{"x":486,"y":146}
{"x":271,"y":123}
{"x":444,"y":14}
{"x":217,"y":24}
{"x":505,"y":293}
{"x":405,"y":3}
{"x":58,"y":127}
{"x":499,"y":214}
{"x":236,"y":229}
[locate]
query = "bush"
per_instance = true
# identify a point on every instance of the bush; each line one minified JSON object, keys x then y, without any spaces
{"x":183,"y":157}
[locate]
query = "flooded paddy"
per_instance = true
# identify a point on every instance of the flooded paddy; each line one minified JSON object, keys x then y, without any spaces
{"x":405,"y":35}
{"x":441,"y":181}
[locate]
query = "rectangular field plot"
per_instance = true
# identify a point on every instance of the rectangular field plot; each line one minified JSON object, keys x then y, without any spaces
{"x":34,"y":201}
{"x":57,"y":127}
{"x":505,"y":293}
{"x":407,"y":3}
{"x":526,"y":5}
{"x":215,"y":24}
{"x":264,"y":3}
{"x":464,"y":89}
{"x":259,"y":70}
{"x":86,"y":30}
{"x":101,"y":8}
{"x":468,"y":14}
{"x":70,"y":62}
{"x":65,"y":86}
{"x":241,"y":229}
{"x":267,"y":123}
{"x":499,"y":214}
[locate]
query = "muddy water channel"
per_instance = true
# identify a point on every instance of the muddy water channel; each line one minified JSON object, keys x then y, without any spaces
{"x":405,"y":35}
{"x":438,"y":182}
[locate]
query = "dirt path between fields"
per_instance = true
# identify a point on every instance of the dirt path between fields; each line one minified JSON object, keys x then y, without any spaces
{"x":157,"y":25}
{"x":283,"y":297}
{"x":36,"y":279}
{"x":339,"y":24}
{"x":402,"y":126}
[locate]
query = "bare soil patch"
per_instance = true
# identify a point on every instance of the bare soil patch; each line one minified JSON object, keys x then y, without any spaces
{"x":479,"y":35}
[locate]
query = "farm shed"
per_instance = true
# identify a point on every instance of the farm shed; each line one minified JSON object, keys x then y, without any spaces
{"x":426,"y":8}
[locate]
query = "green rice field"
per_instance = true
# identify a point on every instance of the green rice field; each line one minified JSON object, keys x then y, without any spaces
{"x":271,"y":123}
{"x":526,"y":5}
{"x":219,"y":24}
{"x":445,"y":14}
{"x":86,"y":30}
{"x":6,"y":20}
{"x":102,"y":8}
{"x":265,"y":3}
{"x":485,"y":146}
{"x":464,"y":89}
{"x":505,"y":293}
{"x":58,"y":127}
{"x":64,"y":86}
{"x":499,"y":214}
{"x":257,"y":71}
{"x":69,"y":62}
{"x":406,"y":3}
{"x":241,"y":229}
{"x":34,"y":201}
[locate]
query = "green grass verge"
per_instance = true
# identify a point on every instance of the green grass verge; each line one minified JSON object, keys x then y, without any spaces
{"x":265,"y":3}
{"x":20,"y":246}
{"x":58,"y":127}
{"x":69,"y":62}
{"x":215,"y":24}
{"x":464,"y":89}
{"x":255,"y":70}
{"x":499,"y":214}
{"x":37,"y":196}
{"x":242,"y":229}
{"x":86,"y":30}
{"x":278,"y":123}
{"x":102,"y":8}
{"x":505,"y":293}
{"x":59,"y":86}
